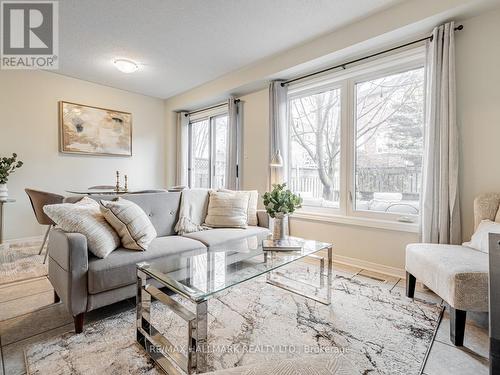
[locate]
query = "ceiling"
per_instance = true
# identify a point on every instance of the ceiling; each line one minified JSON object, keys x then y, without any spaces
{"x":181,"y":44}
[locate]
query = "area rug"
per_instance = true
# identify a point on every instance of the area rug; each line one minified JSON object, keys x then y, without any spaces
{"x":376,"y":330}
{"x":20,"y":261}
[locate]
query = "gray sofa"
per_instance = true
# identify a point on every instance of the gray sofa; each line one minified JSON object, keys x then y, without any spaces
{"x":84,"y":282}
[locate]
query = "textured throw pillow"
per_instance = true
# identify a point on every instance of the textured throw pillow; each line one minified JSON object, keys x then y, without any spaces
{"x":480,"y":240}
{"x":227,"y":209}
{"x":130,"y":222}
{"x":86,"y":218}
{"x":253,"y":200}
{"x":497,"y":217}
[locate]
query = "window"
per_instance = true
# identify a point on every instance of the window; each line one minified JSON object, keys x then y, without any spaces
{"x":315,"y":148}
{"x":356,"y":139}
{"x":208,"y":151}
{"x":389,"y":142}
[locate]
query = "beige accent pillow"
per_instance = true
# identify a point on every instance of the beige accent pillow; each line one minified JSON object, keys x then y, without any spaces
{"x":227,"y":209}
{"x":130,"y":222}
{"x":86,"y":218}
{"x":253,"y":201}
{"x":497,"y":217}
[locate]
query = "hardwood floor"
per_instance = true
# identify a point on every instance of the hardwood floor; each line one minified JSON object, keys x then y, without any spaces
{"x":29,"y":316}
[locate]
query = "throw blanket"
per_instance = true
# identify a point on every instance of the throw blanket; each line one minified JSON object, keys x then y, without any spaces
{"x":193,"y":210}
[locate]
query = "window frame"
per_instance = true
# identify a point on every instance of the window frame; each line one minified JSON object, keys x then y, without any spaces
{"x":210,"y":116}
{"x":346,"y":80}
{"x":309,"y":92}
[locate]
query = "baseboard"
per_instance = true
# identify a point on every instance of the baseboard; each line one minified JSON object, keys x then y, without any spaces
{"x":370,"y":266}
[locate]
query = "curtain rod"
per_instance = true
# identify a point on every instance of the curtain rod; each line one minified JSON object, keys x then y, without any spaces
{"x":209,"y":108}
{"x":343,"y":66}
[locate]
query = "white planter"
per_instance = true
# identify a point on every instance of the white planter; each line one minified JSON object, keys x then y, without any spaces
{"x":3,"y":191}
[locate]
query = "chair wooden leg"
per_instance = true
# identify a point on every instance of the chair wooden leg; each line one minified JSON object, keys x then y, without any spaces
{"x":457,"y":326}
{"x":44,"y":239}
{"x":47,"y":251}
{"x":78,"y":320}
{"x":410,"y":285}
{"x":56,"y":297}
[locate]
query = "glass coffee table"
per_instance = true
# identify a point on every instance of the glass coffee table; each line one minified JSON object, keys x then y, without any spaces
{"x":198,"y":275}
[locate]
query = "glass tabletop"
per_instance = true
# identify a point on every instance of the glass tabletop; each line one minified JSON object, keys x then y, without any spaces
{"x":198,"y":274}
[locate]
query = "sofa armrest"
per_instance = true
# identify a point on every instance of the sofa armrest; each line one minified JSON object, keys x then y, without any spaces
{"x":68,"y":267}
{"x":262,"y":218}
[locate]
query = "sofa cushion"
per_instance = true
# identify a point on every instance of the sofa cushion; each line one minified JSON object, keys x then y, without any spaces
{"x":227,"y":209}
{"x":457,"y":274}
{"x":253,"y":201}
{"x":119,"y":268}
{"x":85,"y":217}
{"x":130,"y":222}
{"x":161,"y":208}
{"x":217,"y":236}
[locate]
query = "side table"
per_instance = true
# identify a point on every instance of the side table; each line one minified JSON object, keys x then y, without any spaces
{"x":3,"y":200}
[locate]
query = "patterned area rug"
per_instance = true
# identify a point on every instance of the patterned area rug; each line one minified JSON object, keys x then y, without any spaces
{"x":20,"y":261}
{"x":376,"y":331}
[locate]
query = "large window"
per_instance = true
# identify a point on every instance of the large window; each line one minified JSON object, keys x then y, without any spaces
{"x":315,"y":147}
{"x":356,"y":140}
{"x":389,"y":142}
{"x":208,"y":152}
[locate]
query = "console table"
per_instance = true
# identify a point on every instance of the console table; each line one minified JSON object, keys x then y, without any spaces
{"x":2,"y":202}
{"x":494,"y":298}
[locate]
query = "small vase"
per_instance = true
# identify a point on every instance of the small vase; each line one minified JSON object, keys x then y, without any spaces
{"x":3,"y":191}
{"x":279,"y":227}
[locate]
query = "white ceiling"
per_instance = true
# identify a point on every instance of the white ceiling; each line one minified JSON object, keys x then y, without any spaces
{"x":181,"y":44}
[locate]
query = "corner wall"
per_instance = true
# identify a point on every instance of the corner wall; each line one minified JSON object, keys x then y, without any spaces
{"x":29,"y":127}
{"x":478,"y":111}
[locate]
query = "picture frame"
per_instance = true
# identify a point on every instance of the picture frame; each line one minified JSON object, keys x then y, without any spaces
{"x":90,"y":130}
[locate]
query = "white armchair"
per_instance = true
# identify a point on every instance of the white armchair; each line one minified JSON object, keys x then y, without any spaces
{"x":458,"y":274}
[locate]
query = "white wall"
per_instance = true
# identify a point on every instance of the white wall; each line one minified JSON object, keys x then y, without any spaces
{"x":405,"y":21}
{"x":478,"y":110}
{"x":478,"y":82}
{"x":255,"y":140}
{"x":29,"y":127}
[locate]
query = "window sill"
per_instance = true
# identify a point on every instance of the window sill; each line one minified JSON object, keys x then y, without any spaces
{"x":359,"y":221}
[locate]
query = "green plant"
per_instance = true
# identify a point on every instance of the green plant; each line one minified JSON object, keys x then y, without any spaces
{"x":281,"y":201}
{"x":8,"y":166}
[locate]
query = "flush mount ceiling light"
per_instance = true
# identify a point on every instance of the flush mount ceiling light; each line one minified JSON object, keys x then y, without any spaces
{"x":126,"y":66}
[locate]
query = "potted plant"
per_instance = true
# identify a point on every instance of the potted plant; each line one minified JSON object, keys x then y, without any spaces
{"x":279,"y":203}
{"x":7,"y":167}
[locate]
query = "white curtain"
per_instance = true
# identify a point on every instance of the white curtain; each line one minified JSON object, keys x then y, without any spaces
{"x":181,"y":177}
{"x":278,"y":117}
{"x":234,"y":145}
{"x":440,"y":200}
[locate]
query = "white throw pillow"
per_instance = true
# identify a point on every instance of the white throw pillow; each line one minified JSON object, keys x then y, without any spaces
{"x":130,"y":222}
{"x":480,"y":240}
{"x":253,"y":201}
{"x":86,"y":218}
{"x":227,"y":209}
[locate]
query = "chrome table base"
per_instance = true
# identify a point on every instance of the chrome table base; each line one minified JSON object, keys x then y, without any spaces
{"x":159,"y":348}
{"x":166,"y":354}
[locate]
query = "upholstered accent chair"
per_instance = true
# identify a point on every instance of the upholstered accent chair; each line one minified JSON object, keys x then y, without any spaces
{"x":458,"y":274}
